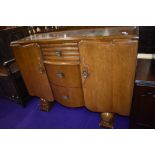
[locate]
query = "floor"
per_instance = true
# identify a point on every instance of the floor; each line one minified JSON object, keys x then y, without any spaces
{"x":13,"y":116}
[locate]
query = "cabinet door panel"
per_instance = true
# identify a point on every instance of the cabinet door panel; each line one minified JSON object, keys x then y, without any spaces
{"x":30,"y":62}
{"x":108,"y":70}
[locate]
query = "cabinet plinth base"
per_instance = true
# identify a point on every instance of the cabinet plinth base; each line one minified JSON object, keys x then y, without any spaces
{"x":45,"y":105}
{"x":107,"y":120}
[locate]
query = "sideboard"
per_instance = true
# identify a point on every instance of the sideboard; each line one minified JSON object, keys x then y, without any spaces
{"x":94,"y":68}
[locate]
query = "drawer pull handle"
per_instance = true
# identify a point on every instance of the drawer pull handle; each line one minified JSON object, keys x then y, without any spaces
{"x":65,"y":97}
{"x":60,"y":75}
{"x":125,"y":33}
{"x":85,"y":74}
{"x":58,"y":53}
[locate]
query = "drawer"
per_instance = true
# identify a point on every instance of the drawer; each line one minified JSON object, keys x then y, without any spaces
{"x":60,"y":53}
{"x":71,"y":97}
{"x":64,"y":75}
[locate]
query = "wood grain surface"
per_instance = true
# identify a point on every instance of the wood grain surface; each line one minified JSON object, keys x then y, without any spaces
{"x":70,"y":97}
{"x":64,"y":75}
{"x":29,"y":60}
{"x":111,"y":71}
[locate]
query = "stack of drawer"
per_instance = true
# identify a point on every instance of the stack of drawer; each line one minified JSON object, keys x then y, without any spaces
{"x":63,"y":70}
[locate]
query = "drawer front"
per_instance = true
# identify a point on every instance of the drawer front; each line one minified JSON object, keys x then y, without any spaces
{"x":64,"y":75}
{"x":71,"y":97}
{"x":61,"y":54}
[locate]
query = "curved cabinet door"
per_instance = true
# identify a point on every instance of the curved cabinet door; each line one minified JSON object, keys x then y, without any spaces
{"x":108,"y":70}
{"x":29,"y":60}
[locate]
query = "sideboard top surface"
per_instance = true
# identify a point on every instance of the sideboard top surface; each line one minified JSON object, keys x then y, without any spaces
{"x":75,"y":35}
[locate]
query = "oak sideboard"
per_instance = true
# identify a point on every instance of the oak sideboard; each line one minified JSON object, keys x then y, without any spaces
{"x":94,"y":68}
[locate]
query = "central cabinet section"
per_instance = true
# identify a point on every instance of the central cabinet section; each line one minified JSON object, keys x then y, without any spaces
{"x":62,"y":64}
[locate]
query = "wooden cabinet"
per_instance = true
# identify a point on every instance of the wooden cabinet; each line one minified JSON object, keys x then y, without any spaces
{"x":94,"y":68}
{"x":30,"y":62}
{"x":108,"y":70}
{"x":143,"y":106}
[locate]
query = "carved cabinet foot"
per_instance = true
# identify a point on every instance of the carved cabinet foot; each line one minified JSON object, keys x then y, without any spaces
{"x":107,"y":120}
{"x":45,"y":105}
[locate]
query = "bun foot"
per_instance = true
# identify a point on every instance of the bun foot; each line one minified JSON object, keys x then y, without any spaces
{"x":107,"y":120}
{"x":45,"y":105}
